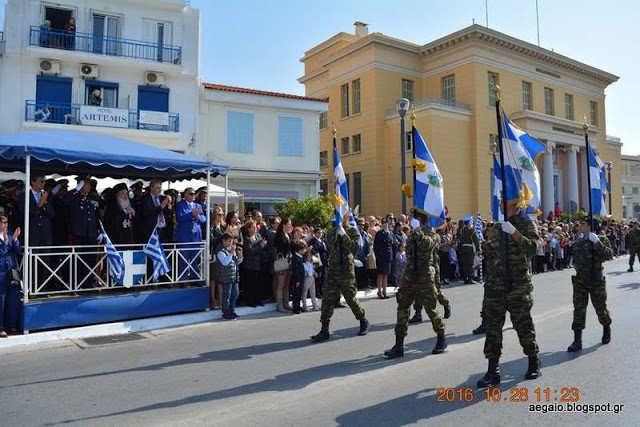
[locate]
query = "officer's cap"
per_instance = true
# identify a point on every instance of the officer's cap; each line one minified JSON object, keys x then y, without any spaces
{"x":201,"y":190}
{"x":137,"y":185}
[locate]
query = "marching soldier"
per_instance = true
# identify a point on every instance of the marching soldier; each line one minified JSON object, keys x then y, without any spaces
{"x":442,"y":298}
{"x":341,"y":278}
{"x":634,"y":245}
{"x":588,"y":255}
{"x":512,"y":293}
{"x":419,"y":285}
{"x":469,"y":244}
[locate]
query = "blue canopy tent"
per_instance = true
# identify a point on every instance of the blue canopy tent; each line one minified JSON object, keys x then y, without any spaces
{"x":70,"y":152}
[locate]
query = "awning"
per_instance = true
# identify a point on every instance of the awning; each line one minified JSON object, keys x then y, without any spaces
{"x":70,"y":152}
{"x":216,"y":192}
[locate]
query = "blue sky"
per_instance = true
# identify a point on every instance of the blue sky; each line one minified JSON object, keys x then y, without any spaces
{"x":258,"y":44}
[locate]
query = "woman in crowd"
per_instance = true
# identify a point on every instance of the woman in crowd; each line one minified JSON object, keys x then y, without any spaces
{"x":250,"y":279}
{"x":234,"y":227}
{"x":384,"y":257}
{"x":217,"y":231}
{"x":70,"y":34}
{"x":371,"y":259}
{"x":283,"y":243}
{"x":9,"y":295}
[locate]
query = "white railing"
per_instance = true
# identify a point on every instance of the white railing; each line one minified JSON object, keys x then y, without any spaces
{"x":71,"y":270}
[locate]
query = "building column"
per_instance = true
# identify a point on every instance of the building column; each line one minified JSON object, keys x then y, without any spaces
{"x":572,"y":180}
{"x":547,"y":180}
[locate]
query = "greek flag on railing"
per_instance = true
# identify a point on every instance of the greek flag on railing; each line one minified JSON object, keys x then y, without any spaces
{"x":114,"y":259}
{"x":428,"y":194}
{"x":496,"y":198}
{"x":341,"y":194}
{"x":598,"y":184}
{"x":153,"y":250}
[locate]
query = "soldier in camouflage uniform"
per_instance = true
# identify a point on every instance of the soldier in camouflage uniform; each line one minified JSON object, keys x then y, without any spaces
{"x":342,"y":247}
{"x":442,"y":298}
{"x":511,"y":292}
{"x":588,"y":255}
{"x":489,"y":256}
{"x":634,"y":246}
{"x":419,"y":285}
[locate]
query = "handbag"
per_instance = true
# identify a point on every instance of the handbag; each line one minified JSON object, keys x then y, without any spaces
{"x":281,"y":263}
{"x":316,"y":260}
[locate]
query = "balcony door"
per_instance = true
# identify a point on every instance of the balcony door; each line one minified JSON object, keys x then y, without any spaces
{"x":105,"y":34}
{"x":159,"y":35}
{"x":53,"y":99}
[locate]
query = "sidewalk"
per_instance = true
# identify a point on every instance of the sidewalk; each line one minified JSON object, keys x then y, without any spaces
{"x":150,"y":324}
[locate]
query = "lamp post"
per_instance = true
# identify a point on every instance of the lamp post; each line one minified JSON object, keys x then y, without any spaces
{"x":609,"y":167}
{"x":402,"y":106}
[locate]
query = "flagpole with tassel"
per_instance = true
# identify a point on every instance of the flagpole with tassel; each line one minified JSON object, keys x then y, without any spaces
{"x":505,"y":215}
{"x":586,"y":143}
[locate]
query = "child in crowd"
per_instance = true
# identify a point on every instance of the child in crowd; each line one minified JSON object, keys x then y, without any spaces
{"x":298,"y":273}
{"x":401,"y":264}
{"x":309,"y":285}
{"x":228,"y":275}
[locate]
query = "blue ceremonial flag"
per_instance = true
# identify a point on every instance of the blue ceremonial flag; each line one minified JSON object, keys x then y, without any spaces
{"x":114,"y":259}
{"x":599,"y":184}
{"x":428,"y":194}
{"x":520,"y":171}
{"x":341,"y":194}
{"x":153,"y":250}
{"x":496,"y":198}
{"x":479,"y":228}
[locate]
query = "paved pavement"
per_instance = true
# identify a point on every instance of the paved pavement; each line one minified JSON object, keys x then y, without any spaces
{"x":263,"y":370}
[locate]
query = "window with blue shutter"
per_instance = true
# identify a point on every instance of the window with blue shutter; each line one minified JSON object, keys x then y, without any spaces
{"x":239,"y":132}
{"x":290,"y":136}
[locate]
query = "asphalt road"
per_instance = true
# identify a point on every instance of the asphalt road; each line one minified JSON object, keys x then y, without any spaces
{"x":263,"y":370}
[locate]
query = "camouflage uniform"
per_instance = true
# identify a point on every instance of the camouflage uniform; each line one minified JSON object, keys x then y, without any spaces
{"x":517,"y":298}
{"x":590,"y":280}
{"x":341,"y":276}
{"x":468,"y":245}
{"x":634,"y":246}
{"x":419,"y":283}
{"x":442,"y":298}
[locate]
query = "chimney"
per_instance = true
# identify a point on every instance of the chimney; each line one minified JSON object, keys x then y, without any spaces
{"x":361,"y":29}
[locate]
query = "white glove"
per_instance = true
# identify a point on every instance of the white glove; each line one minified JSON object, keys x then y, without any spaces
{"x":507,"y":227}
{"x":593,"y":237}
{"x":341,"y":231}
{"x":357,"y":263}
{"x":415,"y":223}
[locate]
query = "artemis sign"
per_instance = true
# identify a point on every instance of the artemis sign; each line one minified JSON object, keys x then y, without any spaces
{"x":100,"y":116}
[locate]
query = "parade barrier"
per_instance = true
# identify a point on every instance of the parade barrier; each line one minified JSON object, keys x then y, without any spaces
{"x":71,"y":285}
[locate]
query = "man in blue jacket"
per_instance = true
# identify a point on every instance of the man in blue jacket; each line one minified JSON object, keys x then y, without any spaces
{"x":189,"y":217}
{"x":83,"y":227}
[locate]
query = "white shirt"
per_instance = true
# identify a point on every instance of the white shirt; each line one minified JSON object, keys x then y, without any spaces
{"x":225,"y":258}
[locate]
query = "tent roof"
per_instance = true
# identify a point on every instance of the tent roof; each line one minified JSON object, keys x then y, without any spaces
{"x":71,"y":152}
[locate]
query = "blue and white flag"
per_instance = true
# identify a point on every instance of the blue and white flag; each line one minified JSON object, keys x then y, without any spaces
{"x":114,"y":258}
{"x":520,"y":171}
{"x":599,"y":184}
{"x":341,"y":193}
{"x":428,"y":194}
{"x":496,"y":198}
{"x":479,"y":230}
{"x":153,"y":250}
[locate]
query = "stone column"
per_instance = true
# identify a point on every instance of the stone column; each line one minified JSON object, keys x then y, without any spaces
{"x":572,"y":180}
{"x":547,"y":180}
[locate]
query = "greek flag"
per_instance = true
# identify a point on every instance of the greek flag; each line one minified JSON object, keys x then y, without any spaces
{"x":520,"y":171}
{"x":496,"y":198}
{"x":153,"y":250}
{"x":598,"y":184}
{"x":114,"y":259}
{"x":341,"y":194}
{"x":479,"y":231}
{"x":428,"y":194}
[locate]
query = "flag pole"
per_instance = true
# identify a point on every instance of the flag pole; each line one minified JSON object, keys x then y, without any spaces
{"x":586,"y":143}
{"x":413,"y":146}
{"x":496,"y":91}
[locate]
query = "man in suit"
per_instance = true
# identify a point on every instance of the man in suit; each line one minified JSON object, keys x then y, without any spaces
{"x":189,"y":217}
{"x":153,"y":212}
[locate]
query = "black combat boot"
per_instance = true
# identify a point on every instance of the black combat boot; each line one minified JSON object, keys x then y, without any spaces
{"x":447,"y":311}
{"x":417,"y":318}
{"x":364,"y":327}
{"x":576,"y":345}
{"x":323,"y":335}
{"x":441,"y":344}
{"x":630,"y":270}
{"x":480,"y":329}
{"x":397,"y":350}
{"x":606,"y":334}
{"x":533,"y":371}
{"x":492,"y":377}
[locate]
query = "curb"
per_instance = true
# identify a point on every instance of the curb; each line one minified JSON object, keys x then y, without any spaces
{"x":149,"y":324}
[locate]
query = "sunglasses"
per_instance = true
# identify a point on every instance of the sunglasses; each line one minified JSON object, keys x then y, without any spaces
{"x":191,"y":194}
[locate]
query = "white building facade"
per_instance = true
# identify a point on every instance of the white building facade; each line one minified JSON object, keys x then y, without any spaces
{"x":630,"y":187}
{"x":130,"y":69}
{"x":270,"y":141}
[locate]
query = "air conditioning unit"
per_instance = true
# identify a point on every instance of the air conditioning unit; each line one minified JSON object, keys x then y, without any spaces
{"x":153,"y":78}
{"x":49,"y":66}
{"x":88,"y":71}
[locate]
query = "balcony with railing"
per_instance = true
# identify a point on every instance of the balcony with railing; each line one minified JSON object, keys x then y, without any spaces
{"x":2,"y":43}
{"x":86,"y":115}
{"x":101,"y":45}
{"x":438,"y":102}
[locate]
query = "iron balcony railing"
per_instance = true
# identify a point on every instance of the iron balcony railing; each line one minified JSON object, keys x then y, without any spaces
{"x":434,"y":101}
{"x":69,"y":114}
{"x":1,"y":35}
{"x":111,"y":46}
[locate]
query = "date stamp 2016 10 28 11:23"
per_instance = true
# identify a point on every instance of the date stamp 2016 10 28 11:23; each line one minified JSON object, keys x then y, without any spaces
{"x":514,"y":394}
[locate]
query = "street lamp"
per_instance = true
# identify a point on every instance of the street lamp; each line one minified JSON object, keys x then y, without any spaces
{"x":609,"y":166}
{"x":402,"y":106}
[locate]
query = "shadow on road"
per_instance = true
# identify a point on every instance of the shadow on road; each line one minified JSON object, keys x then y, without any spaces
{"x":630,"y":286}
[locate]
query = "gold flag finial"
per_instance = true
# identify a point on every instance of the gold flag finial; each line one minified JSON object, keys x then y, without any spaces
{"x":496,"y":92}
{"x":585,"y":126}
{"x":413,"y":115}
{"x":333,"y":131}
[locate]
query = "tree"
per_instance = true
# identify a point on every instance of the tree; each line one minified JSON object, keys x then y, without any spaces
{"x":314,"y":212}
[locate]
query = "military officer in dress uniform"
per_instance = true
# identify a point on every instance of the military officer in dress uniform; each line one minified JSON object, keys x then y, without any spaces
{"x":469,"y":244}
{"x":83,"y":227}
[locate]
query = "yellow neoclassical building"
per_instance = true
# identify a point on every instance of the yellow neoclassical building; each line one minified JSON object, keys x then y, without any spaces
{"x":450,"y":82}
